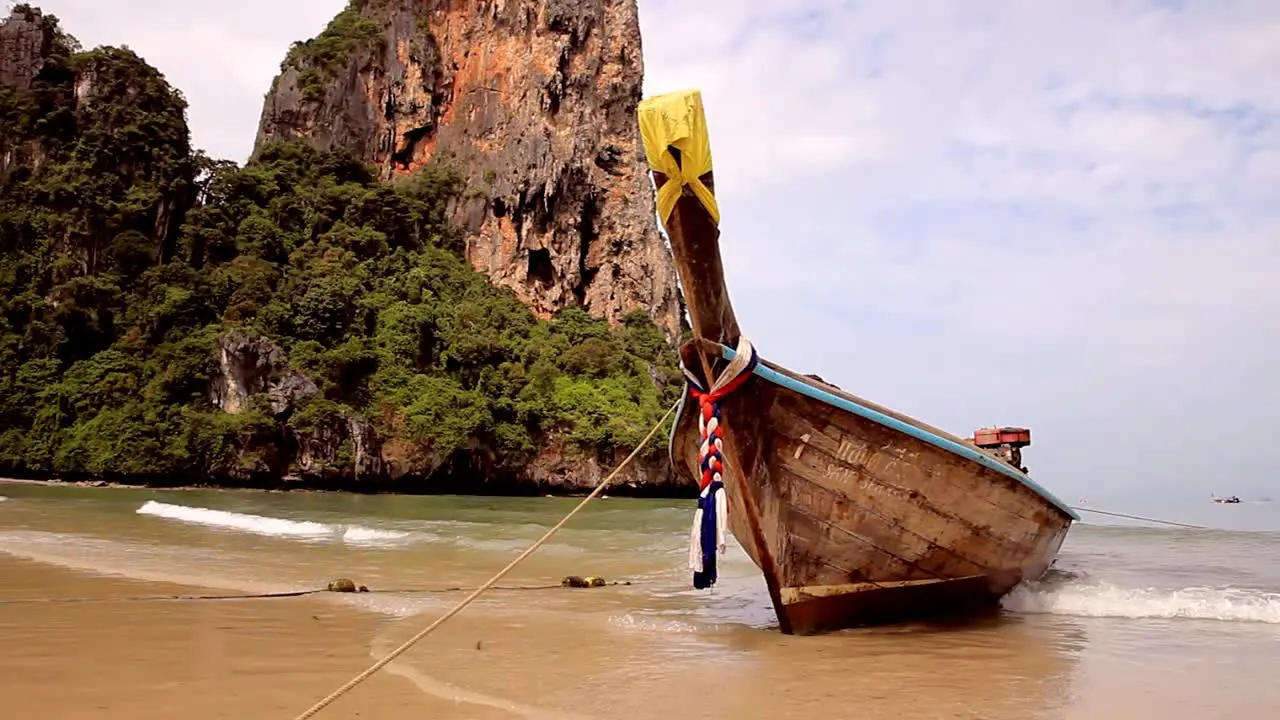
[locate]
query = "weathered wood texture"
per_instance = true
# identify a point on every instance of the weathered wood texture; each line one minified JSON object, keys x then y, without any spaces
{"x":695,"y":245}
{"x":849,"y":507}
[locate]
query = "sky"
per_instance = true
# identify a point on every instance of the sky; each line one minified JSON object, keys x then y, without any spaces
{"x":1051,"y":214}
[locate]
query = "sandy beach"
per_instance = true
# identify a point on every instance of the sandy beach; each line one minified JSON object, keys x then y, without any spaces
{"x":198,"y":660}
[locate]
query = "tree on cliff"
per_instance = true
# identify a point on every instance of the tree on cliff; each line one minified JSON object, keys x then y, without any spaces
{"x":127,"y":260}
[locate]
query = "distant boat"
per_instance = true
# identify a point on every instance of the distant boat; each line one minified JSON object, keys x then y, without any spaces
{"x":1230,"y":500}
{"x":855,"y":514}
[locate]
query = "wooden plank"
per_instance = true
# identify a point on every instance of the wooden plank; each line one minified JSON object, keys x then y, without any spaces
{"x":964,"y":488}
{"x":841,"y":403}
{"x":886,"y":530}
{"x":813,"y":538}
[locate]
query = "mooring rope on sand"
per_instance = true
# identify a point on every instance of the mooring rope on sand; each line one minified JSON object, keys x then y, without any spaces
{"x":489,"y":584}
{"x":157,"y":598}
{"x":289,"y":594}
{"x":1139,"y":517}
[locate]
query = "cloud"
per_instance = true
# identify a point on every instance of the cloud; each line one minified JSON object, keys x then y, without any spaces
{"x":1055,"y":214}
{"x":1059,"y":214}
{"x":222,"y":55}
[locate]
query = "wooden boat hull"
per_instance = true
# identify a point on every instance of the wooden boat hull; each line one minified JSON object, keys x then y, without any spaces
{"x":854,"y":513}
{"x":923,"y":600}
{"x":869,"y":518}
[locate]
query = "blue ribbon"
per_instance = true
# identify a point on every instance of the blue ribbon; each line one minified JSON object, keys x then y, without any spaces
{"x":707,"y":536}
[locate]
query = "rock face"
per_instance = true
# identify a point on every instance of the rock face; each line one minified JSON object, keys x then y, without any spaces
{"x":346,"y":446}
{"x":534,"y":102}
{"x":561,"y":470}
{"x":25,"y":41}
{"x":249,"y":364}
{"x":117,"y":119}
{"x":331,"y":442}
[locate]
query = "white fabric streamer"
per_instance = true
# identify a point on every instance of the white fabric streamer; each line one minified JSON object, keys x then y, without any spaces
{"x":695,"y":533}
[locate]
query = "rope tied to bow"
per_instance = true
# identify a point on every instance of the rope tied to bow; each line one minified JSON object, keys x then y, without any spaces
{"x":707,"y":536}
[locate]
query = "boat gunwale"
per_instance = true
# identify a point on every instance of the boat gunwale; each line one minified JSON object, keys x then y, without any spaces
{"x":807,"y":388}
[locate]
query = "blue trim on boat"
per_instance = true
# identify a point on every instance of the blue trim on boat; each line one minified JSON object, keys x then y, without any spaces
{"x":891,"y":422}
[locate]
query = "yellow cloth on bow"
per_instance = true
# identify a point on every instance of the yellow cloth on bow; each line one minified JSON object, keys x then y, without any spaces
{"x":676,"y":120}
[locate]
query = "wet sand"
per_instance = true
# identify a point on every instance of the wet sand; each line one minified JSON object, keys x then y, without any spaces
{"x":188,"y":659}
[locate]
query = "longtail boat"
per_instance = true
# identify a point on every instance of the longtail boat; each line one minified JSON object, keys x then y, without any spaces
{"x":855,"y":514}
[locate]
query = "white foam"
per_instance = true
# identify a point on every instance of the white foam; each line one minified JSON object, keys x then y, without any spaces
{"x":273,"y":527}
{"x":643,"y":624}
{"x":257,"y":524}
{"x":357,"y":535}
{"x":1097,"y":599}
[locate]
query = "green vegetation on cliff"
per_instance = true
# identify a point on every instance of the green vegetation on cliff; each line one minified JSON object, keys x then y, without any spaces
{"x":127,"y":260}
{"x":322,"y":57}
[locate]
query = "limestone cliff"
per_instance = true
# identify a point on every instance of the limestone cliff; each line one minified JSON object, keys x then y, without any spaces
{"x":321,"y":440}
{"x":166,"y":319}
{"x":250,"y":364}
{"x":26,"y":40}
{"x":325,"y":444}
{"x":534,"y":102}
{"x":100,"y":96}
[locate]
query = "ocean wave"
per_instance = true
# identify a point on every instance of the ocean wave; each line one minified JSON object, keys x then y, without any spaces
{"x":274,"y":527}
{"x":1099,"y":599}
{"x":192,"y":567}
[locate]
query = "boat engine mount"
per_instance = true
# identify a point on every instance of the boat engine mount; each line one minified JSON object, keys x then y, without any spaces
{"x":1005,"y":443}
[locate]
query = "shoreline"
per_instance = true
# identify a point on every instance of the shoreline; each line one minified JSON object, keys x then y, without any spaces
{"x":620,"y":490}
{"x":104,"y":484}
